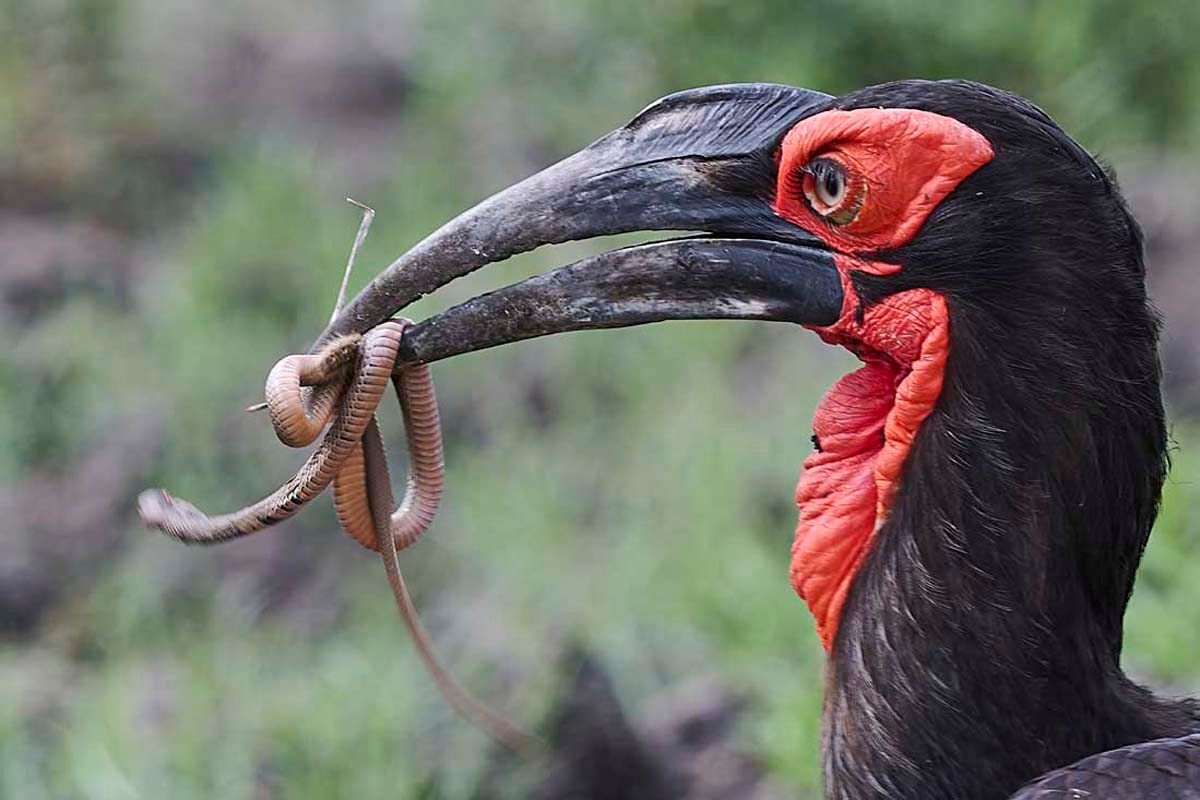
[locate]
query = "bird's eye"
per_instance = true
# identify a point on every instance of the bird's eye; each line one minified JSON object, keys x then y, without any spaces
{"x":829,"y":183}
{"x":830,"y":191}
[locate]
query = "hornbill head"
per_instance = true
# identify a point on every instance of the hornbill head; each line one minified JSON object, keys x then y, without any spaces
{"x":968,"y":251}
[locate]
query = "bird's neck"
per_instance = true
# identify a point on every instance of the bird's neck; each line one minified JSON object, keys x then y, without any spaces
{"x":979,"y":643}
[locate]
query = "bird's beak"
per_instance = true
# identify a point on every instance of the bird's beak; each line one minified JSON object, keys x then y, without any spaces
{"x":700,"y":160}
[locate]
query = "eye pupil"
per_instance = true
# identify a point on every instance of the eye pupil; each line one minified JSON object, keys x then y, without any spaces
{"x":832,"y":182}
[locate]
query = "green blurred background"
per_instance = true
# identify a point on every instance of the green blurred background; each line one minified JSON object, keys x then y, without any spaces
{"x":172,"y":221}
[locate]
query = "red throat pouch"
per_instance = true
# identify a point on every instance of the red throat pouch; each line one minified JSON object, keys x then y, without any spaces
{"x":864,"y":428}
{"x":899,"y":164}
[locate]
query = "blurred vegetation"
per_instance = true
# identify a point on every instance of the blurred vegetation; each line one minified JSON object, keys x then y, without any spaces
{"x":171,"y":177}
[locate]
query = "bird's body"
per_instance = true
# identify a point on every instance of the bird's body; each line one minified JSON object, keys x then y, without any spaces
{"x":979,"y":646}
{"x":982,"y":488}
{"x":1163,"y":768}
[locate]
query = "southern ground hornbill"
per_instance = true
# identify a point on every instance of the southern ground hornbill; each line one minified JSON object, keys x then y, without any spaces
{"x":981,"y":489}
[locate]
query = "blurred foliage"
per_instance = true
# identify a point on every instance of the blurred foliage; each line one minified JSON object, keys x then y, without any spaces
{"x":630,"y":489}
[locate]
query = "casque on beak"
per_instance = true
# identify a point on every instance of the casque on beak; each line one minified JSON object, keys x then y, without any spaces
{"x":699,"y":160}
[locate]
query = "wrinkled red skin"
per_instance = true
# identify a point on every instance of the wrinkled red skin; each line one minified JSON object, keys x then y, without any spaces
{"x":902,"y":163}
{"x":865,"y":425}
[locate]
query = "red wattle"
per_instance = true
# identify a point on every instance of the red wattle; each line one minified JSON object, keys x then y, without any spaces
{"x":865,"y":426}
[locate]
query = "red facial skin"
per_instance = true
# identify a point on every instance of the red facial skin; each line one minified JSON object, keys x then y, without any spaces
{"x":899,"y":165}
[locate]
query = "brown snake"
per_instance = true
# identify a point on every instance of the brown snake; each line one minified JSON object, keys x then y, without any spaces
{"x":341,"y":386}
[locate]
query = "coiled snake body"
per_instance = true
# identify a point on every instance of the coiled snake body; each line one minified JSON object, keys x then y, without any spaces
{"x":340,"y":387}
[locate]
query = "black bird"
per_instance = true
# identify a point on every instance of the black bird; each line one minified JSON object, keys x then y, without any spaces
{"x":981,"y":490}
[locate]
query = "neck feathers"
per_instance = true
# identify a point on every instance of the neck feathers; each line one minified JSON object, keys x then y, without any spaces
{"x":979,"y":645}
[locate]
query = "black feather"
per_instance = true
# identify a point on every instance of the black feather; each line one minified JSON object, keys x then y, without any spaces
{"x":980,"y":645}
{"x":1166,"y":768}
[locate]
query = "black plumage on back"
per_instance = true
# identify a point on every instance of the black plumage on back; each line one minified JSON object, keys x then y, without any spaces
{"x":1166,"y":768}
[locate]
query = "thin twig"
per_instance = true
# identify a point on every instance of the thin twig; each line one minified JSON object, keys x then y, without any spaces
{"x":364,"y":226}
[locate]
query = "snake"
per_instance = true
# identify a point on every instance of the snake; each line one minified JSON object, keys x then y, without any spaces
{"x":337,"y":390}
